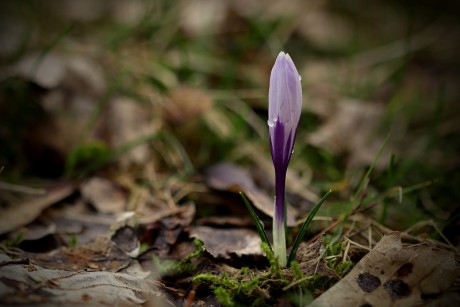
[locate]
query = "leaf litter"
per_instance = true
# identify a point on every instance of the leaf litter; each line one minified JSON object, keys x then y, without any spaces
{"x":230,"y":177}
{"x":225,"y":242}
{"x":29,"y":209}
{"x":83,"y":242}
{"x":393,"y":274}
{"x":35,"y":284}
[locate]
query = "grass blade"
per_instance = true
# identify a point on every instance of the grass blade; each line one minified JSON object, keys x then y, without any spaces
{"x":304,"y":228}
{"x":255,"y":218}
{"x":356,"y":197}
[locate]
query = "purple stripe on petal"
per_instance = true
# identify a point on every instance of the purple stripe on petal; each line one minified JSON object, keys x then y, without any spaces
{"x":280,"y":185}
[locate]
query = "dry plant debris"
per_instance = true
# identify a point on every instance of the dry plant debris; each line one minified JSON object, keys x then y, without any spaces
{"x":122,"y":105}
{"x":226,"y":242}
{"x":103,"y":195}
{"x":230,"y":177}
{"x":393,"y":274}
{"x":29,"y":283}
{"x":28,"y":210}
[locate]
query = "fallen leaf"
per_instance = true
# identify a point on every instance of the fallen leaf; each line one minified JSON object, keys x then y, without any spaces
{"x":230,"y":177}
{"x":81,"y":11}
{"x":47,"y":72}
{"x":351,"y":127}
{"x":23,"y":213}
{"x":324,"y":29}
{"x":128,"y":12}
{"x":152,"y":215}
{"x":65,"y":225}
{"x":126,"y":239}
{"x":396,"y":275}
{"x":35,"y":232}
{"x":101,"y":254}
{"x":310,"y":261}
{"x":104,"y":195}
{"x":169,"y":227}
{"x":297,"y":182}
{"x":186,"y":103}
{"x":129,"y":120}
{"x":78,"y":222}
{"x":199,"y":17}
{"x":225,"y":242}
{"x":34,"y":284}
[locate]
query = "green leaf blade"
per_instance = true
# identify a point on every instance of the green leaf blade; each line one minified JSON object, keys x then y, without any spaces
{"x":304,"y":228}
{"x":255,"y":218}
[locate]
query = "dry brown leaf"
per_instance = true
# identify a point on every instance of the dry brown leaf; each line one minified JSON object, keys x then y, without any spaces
{"x":230,"y":177}
{"x":310,"y":261}
{"x":325,"y":29}
{"x":77,"y":222}
{"x":128,"y":12}
{"x":64,"y":225}
{"x":104,"y":195}
{"x":126,"y":239}
{"x":225,"y":242}
{"x":54,"y":70}
{"x":186,"y":103}
{"x":350,"y":128}
{"x":170,"y":226}
{"x":73,"y":86}
{"x":129,"y":120}
{"x":177,"y":216}
{"x":268,"y":9}
{"x":23,"y":213}
{"x":199,"y":17}
{"x":34,"y":232}
{"x":101,"y":254}
{"x":82,"y":11}
{"x":396,"y":275}
{"x":35,"y":285}
{"x":48,"y":72}
{"x":297,"y":182}
{"x":219,"y":123}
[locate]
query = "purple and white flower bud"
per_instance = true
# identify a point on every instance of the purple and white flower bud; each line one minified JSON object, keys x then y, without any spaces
{"x":284,"y":108}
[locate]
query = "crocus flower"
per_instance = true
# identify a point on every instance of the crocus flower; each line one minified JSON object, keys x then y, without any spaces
{"x":284,"y":108}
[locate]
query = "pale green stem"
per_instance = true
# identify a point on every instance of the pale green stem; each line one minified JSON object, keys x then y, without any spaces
{"x":279,"y":241}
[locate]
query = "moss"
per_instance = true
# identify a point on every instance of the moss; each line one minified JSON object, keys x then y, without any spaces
{"x":245,"y":271}
{"x":231,"y":291}
{"x":333,"y":253}
{"x":16,"y":240}
{"x":344,"y":267}
{"x":199,"y":249}
{"x":73,"y":240}
{"x":223,"y":280}
{"x":333,"y":249}
{"x":248,"y":286}
{"x":321,"y":282}
{"x":298,"y":274}
{"x":224,"y":296}
{"x":300,"y":297}
{"x":171,"y":267}
{"x":270,"y":256}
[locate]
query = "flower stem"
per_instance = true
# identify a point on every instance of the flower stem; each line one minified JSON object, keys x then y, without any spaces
{"x":279,"y":219}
